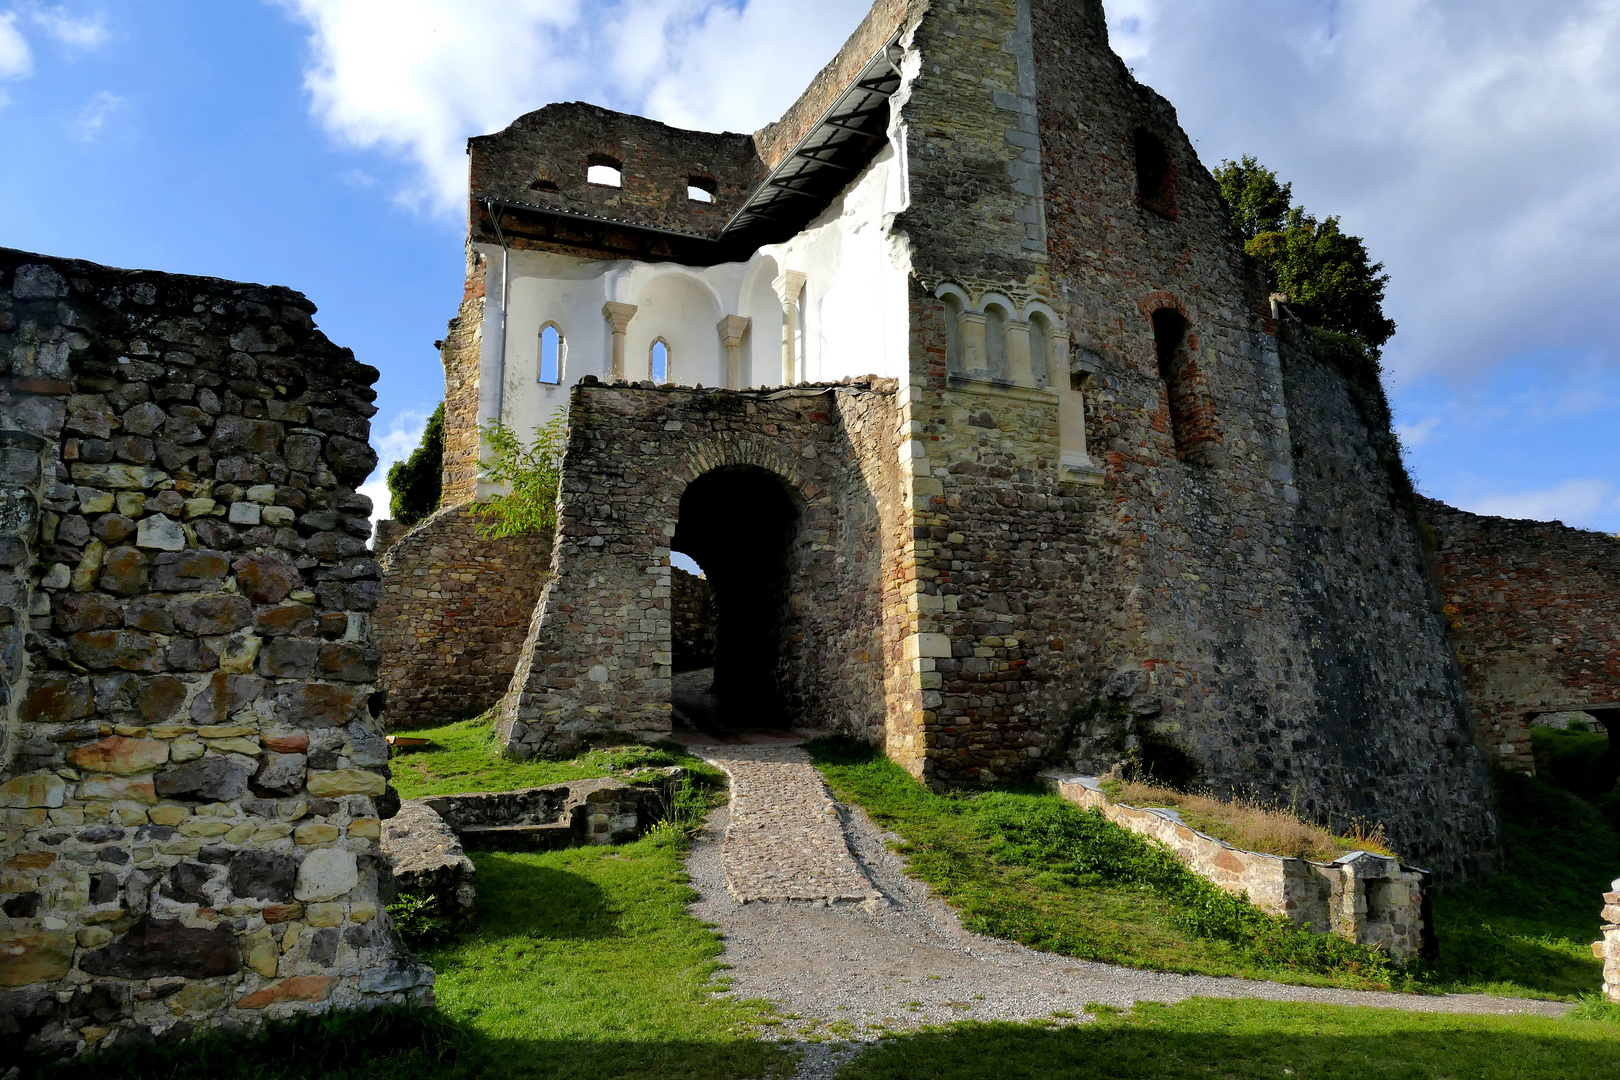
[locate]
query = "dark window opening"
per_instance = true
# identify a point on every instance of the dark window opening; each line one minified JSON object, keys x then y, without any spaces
{"x":1192,"y":418}
{"x":738,"y":524}
{"x":544,"y":181}
{"x":700,"y":189}
{"x":1155,"y":175}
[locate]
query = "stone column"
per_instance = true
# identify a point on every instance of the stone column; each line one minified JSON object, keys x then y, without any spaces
{"x":618,"y":317}
{"x":1019,"y":367}
{"x":974,"y":358}
{"x":1074,"y":461}
{"x":731,"y":329}
{"x":788,"y":287}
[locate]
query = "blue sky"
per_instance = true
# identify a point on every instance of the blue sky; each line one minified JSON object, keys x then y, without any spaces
{"x":318,"y":144}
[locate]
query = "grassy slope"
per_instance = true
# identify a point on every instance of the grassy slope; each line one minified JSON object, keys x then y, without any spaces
{"x":1205,"y":1038}
{"x":1033,"y":868}
{"x":464,"y":757}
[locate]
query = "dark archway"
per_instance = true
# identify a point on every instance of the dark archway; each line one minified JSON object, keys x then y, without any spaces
{"x":739,"y":523}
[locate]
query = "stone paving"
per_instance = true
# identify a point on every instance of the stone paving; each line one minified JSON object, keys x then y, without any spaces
{"x":784,"y":840}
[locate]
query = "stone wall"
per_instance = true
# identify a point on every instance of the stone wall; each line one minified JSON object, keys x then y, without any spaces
{"x":1531,"y":607}
{"x":1362,"y":897}
{"x":692,"y":621}
{"x":194,"y":776}
{"x":459,"y":352}
{"x":1607,"y":948}
{"x":454,"y":612}
{"x":597,"y":663}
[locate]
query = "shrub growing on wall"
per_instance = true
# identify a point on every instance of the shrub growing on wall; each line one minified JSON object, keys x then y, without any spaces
{"x":416,"y":484}
{"x":530,"y":472}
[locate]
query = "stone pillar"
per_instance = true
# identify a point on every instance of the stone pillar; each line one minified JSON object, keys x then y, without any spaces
{"x":1019,"y":367}
{"x":731,"y":329}
{"x":788,"y":287}
{"x":618,"y":317}
{"x":1608,"y":949}
{"x":974,"y":358}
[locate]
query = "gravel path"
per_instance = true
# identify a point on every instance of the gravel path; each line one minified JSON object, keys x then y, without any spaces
{"x":860,"y":972}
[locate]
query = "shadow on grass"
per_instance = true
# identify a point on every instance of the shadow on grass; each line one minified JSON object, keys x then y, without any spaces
{"x":1427,"y":1048}
{"x":405,"y":1044}
{"x":529,"y":901}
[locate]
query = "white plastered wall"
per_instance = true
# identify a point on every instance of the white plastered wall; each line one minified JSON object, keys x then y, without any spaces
{"x":853,"y":308}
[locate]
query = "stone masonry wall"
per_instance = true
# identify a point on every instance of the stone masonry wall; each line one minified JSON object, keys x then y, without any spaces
{"x":194,"y":777}
{"x":454,"y":612}
{"x":459,"y":353}
{"x":692,"y":620}
{"x":597,"y":662}
{"x":1533,"y":614}
{"x":1607,"y":948}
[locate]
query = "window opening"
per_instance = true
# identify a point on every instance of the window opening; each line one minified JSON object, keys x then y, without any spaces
{"x":1155,"y":175}
{"x":700,"y":189}
{"x":544,"y":181}
{"x":660,"y":361}
{"x":1191,"y":420}
{"x":995,"y":341}
{"x":551,"y":354}
{"x":603,"y":170}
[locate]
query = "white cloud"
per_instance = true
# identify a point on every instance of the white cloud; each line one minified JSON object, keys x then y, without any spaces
{"x":1571,"y":501}
{"x":16,"y":60}
{"x":91,"y":122}
{"x":1474,"y":143}
{"x":404,"y":434}
{"x":416,"y":78}
{"x":58,"y":23}
{"x":1418,"y":433}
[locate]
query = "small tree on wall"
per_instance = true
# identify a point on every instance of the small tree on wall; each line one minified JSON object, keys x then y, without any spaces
{"x":1330,"y":280}
{"x":530,"y":472}
{"x":415,"y":485}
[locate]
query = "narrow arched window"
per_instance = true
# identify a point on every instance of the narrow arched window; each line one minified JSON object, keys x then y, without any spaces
{"x":953,"y":332}
{"x":604,"y":171}
{"x":995,"y":341}
{"x":551,"y":354}
{"x":660,"y":361}
{"x":1040,"y":348}
{"x":1192,"y":416}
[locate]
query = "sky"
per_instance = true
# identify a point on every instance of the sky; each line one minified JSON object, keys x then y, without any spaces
{"x":320,"y":144}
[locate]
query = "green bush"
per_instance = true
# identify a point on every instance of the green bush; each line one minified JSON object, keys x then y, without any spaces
{"x":415,"y":485}
{"x":530,"y":472}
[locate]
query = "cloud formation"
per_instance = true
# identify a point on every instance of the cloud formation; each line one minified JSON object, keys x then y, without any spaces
{"x":415,"y":78}
{"x":55,"y":23}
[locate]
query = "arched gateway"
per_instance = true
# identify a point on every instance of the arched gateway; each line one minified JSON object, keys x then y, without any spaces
{"x":786,"y":498}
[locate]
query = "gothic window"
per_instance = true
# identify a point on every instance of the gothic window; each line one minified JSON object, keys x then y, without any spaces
{"x":552,"y":351}
{"x":660,"y":361}
{"x":1192,"y":418}
{"x":1155,"y":175}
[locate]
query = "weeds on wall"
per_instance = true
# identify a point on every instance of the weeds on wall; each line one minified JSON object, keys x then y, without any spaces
{"x":416,"y":919}
{"x":529,"y":471}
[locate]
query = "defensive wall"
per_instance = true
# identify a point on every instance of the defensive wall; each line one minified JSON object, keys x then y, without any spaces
{"x":193,"y":774}
{"x":1531,"y":609}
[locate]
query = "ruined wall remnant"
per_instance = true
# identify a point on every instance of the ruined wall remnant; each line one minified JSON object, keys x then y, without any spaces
{"x":1607,"y":948}
{"x":1532,"y":612}
{"x":597,"y":663}
{"x":692,"y":621}
{"x":454,"y":612}
{"x":193,"y":779}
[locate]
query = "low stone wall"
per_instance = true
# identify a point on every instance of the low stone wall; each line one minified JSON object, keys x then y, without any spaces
{"x":428,"y":861}
{"x":1361,"y":897}
{"x":455,"y":610}
{"x":692,"y":629}
{"x":600,"y":811}
{"x":1608,"y":948}
{"x":193,"y":779}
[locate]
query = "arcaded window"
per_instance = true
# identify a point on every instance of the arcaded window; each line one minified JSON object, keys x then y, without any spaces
{"x":603,"y":170}
{"x":953,"y":332}
{"x":1192,"y":417}
{"x":551,"y":354}
{"x":995,"y":341}
{"x":660,"y":361}
{"x":1155,"y":175}
{"x":700,"y":189}
{"x":544,"y":180}
{"x":1040,"y":348}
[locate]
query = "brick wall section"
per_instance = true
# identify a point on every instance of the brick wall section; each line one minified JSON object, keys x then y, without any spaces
{"x":597,"y":661}
{"x":454,"y":612}
{"x":1533,"y":615}
{"x":459,"y":353}
{"x":692,"y":620}
{"x":194,"y":778}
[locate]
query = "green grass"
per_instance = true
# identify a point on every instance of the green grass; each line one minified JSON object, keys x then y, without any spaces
{"x":1528,"y":929}
{"x":585,"y":965}
{"x":1037,"y":870}
{"x":465,"y":757}
{"x":1205,"y":1038}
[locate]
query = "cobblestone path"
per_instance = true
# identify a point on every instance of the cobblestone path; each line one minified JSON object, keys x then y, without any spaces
{"x":784,"y":840}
